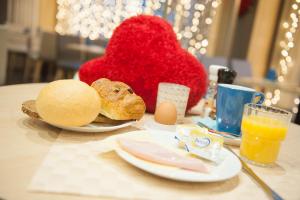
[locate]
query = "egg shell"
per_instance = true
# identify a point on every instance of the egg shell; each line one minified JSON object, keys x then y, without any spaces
{"x":166,"y":113}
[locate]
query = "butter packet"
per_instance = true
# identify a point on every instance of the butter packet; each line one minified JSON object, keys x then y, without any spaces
{"x":200,"y":142}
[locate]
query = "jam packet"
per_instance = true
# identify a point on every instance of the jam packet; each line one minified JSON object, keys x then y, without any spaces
{"x":200,"y":142}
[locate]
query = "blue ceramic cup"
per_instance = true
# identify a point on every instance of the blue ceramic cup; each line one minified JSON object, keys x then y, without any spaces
{"x":230,"y":105}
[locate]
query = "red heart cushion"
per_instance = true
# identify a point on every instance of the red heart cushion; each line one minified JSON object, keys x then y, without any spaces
{"x":142,"y":52}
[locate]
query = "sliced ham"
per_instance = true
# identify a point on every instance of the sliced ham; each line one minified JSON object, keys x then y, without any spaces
{"x":155,"y":153}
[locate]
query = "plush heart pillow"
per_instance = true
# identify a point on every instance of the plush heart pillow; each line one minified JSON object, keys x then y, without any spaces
{"x":142,"y":52}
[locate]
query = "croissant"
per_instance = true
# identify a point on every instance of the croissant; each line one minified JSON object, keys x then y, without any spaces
{"x":118,"y":101}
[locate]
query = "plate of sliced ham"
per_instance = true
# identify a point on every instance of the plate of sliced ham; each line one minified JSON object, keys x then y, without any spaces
{"x":157,"y":152}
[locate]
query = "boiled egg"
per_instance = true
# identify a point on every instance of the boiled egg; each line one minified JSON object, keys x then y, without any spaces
{"x":166,"y":113}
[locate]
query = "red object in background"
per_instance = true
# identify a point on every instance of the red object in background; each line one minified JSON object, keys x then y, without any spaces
{"x":142,"y":52}
{"x":245,"y":5}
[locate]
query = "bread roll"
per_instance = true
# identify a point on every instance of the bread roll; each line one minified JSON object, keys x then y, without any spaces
{"x":118,"y":101}
{"x":68,"y":103}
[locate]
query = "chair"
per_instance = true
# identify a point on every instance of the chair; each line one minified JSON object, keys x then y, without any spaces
{"x":42,"y":50}
{"x":98,"y":42}
{"x":68,"y":60}
{"x":13,"y":51}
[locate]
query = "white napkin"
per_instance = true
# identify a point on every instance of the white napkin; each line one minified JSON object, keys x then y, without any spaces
{"x":93,"y":168}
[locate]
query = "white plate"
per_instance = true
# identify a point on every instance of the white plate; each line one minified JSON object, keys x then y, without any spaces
{"x":230,"y":167}
{"x":151,"y":124}
{"x":95,"y":127}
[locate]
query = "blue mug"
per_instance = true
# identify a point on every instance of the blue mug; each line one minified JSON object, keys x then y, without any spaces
{"x":230,"y":106}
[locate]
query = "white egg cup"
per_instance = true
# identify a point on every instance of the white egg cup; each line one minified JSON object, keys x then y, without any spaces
{"x":151,"y":124}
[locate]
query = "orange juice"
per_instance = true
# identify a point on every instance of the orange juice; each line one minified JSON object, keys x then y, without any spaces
{"x":261,"y":138}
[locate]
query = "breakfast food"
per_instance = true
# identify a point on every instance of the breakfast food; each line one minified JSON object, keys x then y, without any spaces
{"x":29,"y":108}
{"x":68,"y":103}
{"x":118,"y":101}
{"x":200,"y":142}
{"x":102,"y":119}
{"x":74,"y":103}
{"x":155,"y":153}
{"x":166,"y":113}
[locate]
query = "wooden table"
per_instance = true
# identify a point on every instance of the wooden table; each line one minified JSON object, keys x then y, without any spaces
{"x":24,"y":144}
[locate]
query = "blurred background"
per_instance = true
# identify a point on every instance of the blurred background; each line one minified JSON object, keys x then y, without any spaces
{"x":45,"y":40}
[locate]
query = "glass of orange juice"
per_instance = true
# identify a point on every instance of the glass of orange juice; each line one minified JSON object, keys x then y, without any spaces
{"x":263,"y":129}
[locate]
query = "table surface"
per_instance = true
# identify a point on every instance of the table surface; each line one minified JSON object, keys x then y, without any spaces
{"x":25,"y":142}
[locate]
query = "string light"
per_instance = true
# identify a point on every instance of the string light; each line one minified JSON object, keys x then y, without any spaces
{"x":96,"y":18}
{"x":268,"y":102}
{"x":290,"y":27}
{"x":202,"y":19}
{"x":192,"y":19}
{"x":269,"y":95}
{"x":295,"y":109}
{"x":285,"y":25}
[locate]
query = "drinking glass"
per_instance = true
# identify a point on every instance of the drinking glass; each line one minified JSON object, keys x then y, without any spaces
{"x":263,"y":130}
